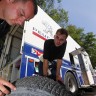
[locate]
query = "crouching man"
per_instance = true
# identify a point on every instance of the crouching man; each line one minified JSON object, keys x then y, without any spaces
{"x":54,"y":49}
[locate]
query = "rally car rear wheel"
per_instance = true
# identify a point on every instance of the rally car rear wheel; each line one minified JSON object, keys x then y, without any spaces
{"x":39,"y":86}
{"x":71,"y":83}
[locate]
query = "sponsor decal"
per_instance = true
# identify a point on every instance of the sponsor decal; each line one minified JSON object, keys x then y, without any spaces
{"x":40,"y":34}
{"x":45,"y":33}
{"x":48,"y":28}
{"x":36,"y":52}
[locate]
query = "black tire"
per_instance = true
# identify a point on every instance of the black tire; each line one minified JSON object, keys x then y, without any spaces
{"x":39,"y":86}
{"x":71,"y":83}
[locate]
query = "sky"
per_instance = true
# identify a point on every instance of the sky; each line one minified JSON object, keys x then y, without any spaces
{"x":81,"y":13}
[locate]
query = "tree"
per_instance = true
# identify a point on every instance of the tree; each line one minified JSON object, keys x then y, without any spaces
{"x":89,"y":43}
{"x":75,"y":33}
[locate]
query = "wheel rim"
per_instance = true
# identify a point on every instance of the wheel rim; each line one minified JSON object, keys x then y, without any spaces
{"x":71,"y":85}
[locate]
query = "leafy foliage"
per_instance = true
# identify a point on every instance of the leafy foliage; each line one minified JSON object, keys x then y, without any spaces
{"x":75,"y":33}
{"x":89,"y":43}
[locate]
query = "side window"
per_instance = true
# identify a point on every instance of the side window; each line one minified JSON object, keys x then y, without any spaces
{"x":71,"y":58}
{"x":74,"y":60}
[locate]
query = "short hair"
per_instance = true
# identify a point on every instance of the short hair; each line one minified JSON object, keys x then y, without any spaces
{"x":34,"y":3}
{"x":62,"y":31}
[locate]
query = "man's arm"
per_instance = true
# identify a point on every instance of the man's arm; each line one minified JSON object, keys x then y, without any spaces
{"x":59,"y":63}
{"x":45,"y":67}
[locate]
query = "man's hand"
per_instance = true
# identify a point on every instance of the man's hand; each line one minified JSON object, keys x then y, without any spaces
{"x":3,"y":89}
{"x":58,"y":78}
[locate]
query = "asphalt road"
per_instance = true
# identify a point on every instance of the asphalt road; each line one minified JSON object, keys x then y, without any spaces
{"x":88,"y":92}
